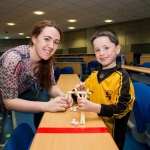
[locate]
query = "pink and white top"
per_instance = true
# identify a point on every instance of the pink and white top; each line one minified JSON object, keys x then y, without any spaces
{"x":15,"y":76}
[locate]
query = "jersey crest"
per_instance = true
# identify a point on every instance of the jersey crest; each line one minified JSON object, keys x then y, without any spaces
{"x":108,"y":94}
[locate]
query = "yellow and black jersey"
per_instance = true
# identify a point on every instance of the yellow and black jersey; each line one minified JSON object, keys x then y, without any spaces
{"x":112,"y":89}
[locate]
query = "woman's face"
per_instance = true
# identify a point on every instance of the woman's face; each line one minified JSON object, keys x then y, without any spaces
{"x":46,"y":42}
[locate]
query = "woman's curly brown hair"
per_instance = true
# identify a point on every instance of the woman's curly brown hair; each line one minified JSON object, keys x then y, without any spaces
{"x":44,"y":73}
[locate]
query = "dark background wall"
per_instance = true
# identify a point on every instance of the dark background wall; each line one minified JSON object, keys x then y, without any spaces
{"x":10,"y":43}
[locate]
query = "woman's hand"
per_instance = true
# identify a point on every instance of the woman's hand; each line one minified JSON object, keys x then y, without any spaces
{"x":69,"y":99}
{"x":60,"y":103}
{"x":57,"y":104}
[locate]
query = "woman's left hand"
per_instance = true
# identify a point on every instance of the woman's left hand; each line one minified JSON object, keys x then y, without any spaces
{"x":69,"y":99}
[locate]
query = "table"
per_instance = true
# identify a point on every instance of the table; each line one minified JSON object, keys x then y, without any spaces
{"x":137,"y":73}
{"x":137,"y":69}
{"x":55,"y":131}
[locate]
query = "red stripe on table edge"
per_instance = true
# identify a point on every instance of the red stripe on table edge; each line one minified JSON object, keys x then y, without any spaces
{"x":73,"y":130}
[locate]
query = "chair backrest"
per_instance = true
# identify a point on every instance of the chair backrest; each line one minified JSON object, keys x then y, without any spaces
{"x":141,"y":106}
{"x":137,"y":57}
{"x":20,"y":138}
{"x":66,"y":70}
{"x":83,"y":68}
{"x":46,"y":93}
{"x":56,"y":73}
{"x":146,"y":64}
{"x":118,"y":59}
{"x":92,"y":65}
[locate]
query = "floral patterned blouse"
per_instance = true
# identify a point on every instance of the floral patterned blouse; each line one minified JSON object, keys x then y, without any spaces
{"x":15,"y":76}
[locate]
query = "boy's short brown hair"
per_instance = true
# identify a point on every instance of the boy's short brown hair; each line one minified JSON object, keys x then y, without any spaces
{"x":106,"y":32}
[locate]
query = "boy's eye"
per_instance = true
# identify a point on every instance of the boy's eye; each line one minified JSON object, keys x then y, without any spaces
{"x":97,"y":50}
{"x":106,"y":47}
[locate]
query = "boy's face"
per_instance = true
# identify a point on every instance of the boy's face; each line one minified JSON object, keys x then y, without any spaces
{"x":106,"y":51}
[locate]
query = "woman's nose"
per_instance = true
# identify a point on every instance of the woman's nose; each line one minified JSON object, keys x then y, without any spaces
{"x":51,"y":44}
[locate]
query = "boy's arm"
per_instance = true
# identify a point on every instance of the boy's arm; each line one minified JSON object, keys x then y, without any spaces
{"x":125,"y":100}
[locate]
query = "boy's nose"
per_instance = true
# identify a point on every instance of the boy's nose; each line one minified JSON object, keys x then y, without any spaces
{"x":101,"y":52}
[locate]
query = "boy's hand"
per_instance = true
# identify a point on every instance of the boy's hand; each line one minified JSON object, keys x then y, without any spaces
{"x":84,"y":104}
{"x":80,"y":86}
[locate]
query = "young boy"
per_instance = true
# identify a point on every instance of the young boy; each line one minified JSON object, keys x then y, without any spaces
{"x":113,"y":95}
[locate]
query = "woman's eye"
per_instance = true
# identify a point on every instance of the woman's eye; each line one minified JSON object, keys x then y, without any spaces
{"x":46,"y":39}
{"x":56,"y":42}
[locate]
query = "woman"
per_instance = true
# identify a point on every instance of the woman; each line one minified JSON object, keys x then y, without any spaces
{"x":28,"y":69}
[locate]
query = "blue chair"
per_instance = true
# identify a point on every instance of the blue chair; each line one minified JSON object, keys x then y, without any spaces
{"x":46,"y":93}
{"x":56,"y":73}
{"x":20,"y":138}
{"x":142,"y":105}
{"x":141,"y":113}
{"x":146,"y":65}
{"x":92,"y":65}
{"x":118,"y":59}
{"x":66,"y":70}
{"x":83,"y":68}
{"x":69,"y":60}
{"x":137,"y":58}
